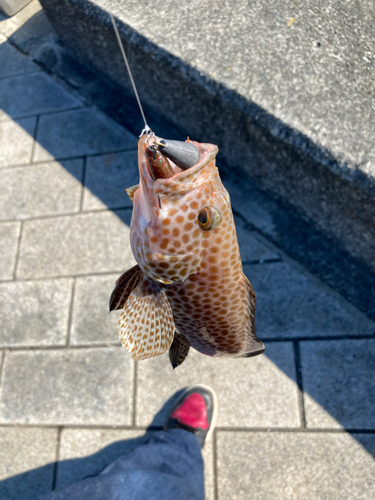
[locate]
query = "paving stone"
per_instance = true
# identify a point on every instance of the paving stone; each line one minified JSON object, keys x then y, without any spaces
{"x":27,"y":458}
{"x":9,"y":233}
{"x":339,"y":383}
{"x":86,"y":451}
{"x":79,"y":132}
{"x":29,"y":95}
{"x":295,"y":466}
{"x":292,"y":304}
{"x":16,"y":141}
{"x":252,"y":246}
{"x":35,"y":313}
{"x":79,"y":244}
{"x":37,"y":190}
{"x":252,"y":392}
{"x":106,"y":179}
{"x":92,"y":323}
{"x":13,"y":63}
{"x":69,"y":386}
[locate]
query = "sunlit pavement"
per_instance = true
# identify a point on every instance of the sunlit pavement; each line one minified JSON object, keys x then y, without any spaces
{"x":69,"y":391}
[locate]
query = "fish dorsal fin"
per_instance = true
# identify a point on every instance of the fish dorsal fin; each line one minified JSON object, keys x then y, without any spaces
{"x":178,"y":350}
{"x":146,"y":327}
{"x":124,"y":286}
{"x":130,"y":192}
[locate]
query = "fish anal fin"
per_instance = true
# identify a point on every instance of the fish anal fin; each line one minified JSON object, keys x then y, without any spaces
{"x":253,"y":346}
{"x":146,"y":326}
{"x":178,"y":350}
{"x":124,"y":286}
{"x":130,"y":192}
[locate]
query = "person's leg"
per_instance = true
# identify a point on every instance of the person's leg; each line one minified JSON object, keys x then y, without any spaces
{"x":168,"y":466}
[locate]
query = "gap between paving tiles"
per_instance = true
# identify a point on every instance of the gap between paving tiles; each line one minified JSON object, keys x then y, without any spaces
{"x":116,"y":344}
{"x":71,"y":311}
{"x":56,"y":464}
{"x":68,"y":214}
{"x":298,"y":367}
{"x":218,"y":429}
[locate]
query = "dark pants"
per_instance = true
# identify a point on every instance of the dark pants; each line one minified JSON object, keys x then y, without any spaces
{"x":169,"y":467}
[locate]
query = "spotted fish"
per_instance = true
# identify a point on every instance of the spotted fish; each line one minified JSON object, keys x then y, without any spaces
{"x":188,"y":288}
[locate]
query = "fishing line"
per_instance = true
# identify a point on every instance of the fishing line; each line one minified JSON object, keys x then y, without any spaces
{"x":147,"y":128}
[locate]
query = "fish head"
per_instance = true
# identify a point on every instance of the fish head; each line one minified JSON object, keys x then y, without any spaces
{"x":174,"y":219}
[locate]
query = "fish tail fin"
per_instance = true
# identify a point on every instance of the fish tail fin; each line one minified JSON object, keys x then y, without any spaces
{"x":146,"y":326}
{"x":253,"y":345}
{"x":124,"y":286}
{"x":178,"y":350}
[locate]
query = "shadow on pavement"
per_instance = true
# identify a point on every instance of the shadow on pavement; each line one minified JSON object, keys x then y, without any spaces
{"x":33,"y":483}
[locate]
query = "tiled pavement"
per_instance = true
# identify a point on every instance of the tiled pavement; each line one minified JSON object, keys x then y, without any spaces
{"x":70,"y":397}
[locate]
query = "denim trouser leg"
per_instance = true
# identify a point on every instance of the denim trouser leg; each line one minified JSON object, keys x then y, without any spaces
{"x":168,"y":467}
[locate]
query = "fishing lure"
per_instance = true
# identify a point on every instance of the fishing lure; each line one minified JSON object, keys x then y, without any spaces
{"x":188,"y":287}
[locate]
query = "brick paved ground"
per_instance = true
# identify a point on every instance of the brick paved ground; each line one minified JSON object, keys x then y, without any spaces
{"x":71,"y":399}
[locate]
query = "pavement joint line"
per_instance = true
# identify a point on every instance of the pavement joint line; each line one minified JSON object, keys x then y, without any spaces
{"x":83,"y":181}
{"x":78,"y":426}
{"x":359,"y":336}
{"x":261,"y":261}
{"x":218,"y":429}
{"x":68,"y":214}
{"x":135,"y":392}
{"x":65,"y":276}
{"x":20,"y":74}
{"x":117,"y":345}
{"x":62,"y":347}
{"x":66,"y":158}
{"x":298,"y":367}
{"x":299,"y":430}
{"x":57,"y":460}
{"x":71,"y":310}
{"x":34,"y":137}
{"x":215,"y":467}
{"x":2,"y":363}
{"x":18,"y":251}
{"x":22,"y":117}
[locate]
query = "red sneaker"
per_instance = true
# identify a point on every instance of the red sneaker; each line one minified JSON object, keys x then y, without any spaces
{"x":195,"y":411}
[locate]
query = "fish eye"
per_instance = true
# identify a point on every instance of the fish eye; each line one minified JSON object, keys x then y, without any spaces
{"x":208,"y":218}
{"x":203,"y":217}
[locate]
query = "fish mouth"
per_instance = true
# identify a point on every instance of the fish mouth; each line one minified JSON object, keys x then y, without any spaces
{"x":181,"y":181}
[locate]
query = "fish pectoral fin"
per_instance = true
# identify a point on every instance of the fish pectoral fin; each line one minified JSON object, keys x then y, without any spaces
{"x":146,"y":327}
{"x":178,"y":350}
{"x":124,"y":286}
{"x":253,"y":346}
{"x":130,"y":192}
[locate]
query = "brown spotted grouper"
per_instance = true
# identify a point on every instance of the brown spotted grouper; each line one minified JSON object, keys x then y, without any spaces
{"x":188,"y":288}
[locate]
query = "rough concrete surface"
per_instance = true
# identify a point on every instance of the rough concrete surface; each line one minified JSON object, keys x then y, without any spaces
{"x":273,"y":465}
{"x":9,"y":235}
{"x":69,"y":393}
